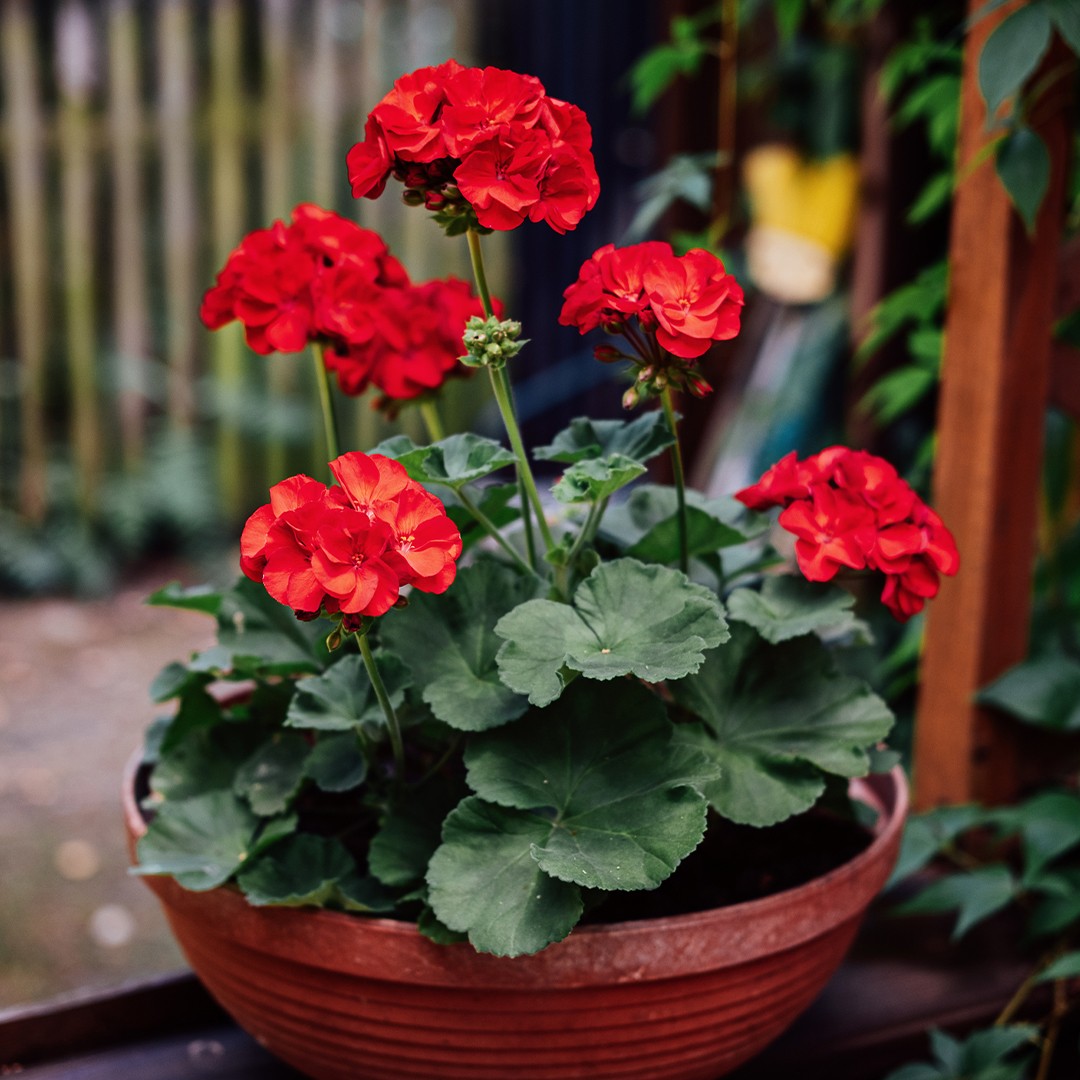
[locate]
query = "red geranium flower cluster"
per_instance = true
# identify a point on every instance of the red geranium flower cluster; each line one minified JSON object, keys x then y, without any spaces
{"x":349,"y":549}
{"x":417,"y":345}
{"x":325,"y":279}
{"x":287,"y":283}
{"x":482,"y":139}
{"x":850,"y":508}
{"x":683,"y":303}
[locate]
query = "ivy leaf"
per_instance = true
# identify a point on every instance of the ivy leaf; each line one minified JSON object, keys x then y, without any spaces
{"x":776,"y":715}
{"x":272,"y":776}
{"x":619,"y":813}
{"x":336,"y":762}
{"x":1066,"y":17}
{"x":450,"y":645}
{"x":626,"y":618}
{"x":453,"y":462}
{"x":1011,"y":54}
{"x":1049,"y":826}
{"x":926,"y":834}
{"x":1064,"y":967}
{"x":1059,"y":907}
{"x":197,"y":598}
{"x":201,"y":841}
{"x":593,"y":479}
{"x":343,"y":698}
{"x":262,"y":637}
{"x":788,"y":607}
{"x":984,"y":1055}
{"x":1023,"y":166}
{"x":1043,"y":691}
{"x":647,"y":526}
{"x":640,"y":439}
{"x":975,"y":896}
{"x":484,"y":881}
{"x":309,"y":870}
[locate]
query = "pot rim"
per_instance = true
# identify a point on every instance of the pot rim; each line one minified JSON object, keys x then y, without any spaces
{"x":727,"y":935}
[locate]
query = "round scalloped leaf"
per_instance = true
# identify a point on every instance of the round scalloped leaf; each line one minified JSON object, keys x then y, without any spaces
{"x":342,"y":698}
{"x":640,"y":439}
{"x":787,"y":607}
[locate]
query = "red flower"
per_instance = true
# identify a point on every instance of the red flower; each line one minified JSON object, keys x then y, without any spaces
{"x":484,"y":141}
{"x":350,"y":549}
{"x":293,"y":284}
{"x":850,"y":508}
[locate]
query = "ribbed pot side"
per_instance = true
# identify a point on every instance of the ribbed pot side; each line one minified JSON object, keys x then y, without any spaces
{"x":684,"y":998}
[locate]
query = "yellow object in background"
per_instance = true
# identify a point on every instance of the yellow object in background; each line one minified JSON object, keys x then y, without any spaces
{"x":803,"y":221}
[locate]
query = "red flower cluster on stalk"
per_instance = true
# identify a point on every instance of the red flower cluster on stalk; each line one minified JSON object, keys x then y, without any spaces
{"x":325,"y":279}
{"x":681,"y":304}
{"x":849,"y":508}
{"x":483,"y":140}
{"x":350,"y":548}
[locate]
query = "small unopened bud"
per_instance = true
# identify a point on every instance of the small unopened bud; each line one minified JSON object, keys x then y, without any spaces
{"x":490,"y":342}
{"x":606,"y":354}
{"x":646,"y":374}
{"x":613,"y":325}
{"x":697,"y":386}
{"x":412,"y":197}
{"x":434,"y":201}
{"x":631,"y":399}
{"x":647,"y":319}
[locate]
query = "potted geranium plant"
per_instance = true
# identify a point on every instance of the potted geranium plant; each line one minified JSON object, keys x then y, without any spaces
{"x":465,"y":724}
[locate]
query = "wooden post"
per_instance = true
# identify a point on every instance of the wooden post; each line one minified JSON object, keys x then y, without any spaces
{"x":987,"y":477}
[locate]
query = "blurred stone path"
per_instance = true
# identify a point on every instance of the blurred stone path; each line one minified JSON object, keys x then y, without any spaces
{"x":73,"y":705}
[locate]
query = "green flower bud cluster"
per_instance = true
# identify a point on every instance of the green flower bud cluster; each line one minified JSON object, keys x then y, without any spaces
{"x":491,"y":342}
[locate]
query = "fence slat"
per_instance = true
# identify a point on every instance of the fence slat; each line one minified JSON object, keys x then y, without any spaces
{"x":176,"y":92}
{"x":276,"y":158}
{"x":130,"y":319}
{"x":76,"y":74}
{"x":228,"y":200}
{"x":28,"y":240}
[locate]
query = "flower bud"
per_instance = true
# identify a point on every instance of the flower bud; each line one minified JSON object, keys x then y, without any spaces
{"x":412,"y":197}
{"x":490,"y":342}
{"x":697,"y":386}
{"x":647,"y":319}
{"x":613,"y":325}
{"x":434,"y":201}
{"x":631,"y":398}
{"x":606,"y":354}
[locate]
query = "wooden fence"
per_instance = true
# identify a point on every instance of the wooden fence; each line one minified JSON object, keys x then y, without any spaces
{"x":140,"y":142}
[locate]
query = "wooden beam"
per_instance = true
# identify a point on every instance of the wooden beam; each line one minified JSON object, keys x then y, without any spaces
{"x":995,"y":379}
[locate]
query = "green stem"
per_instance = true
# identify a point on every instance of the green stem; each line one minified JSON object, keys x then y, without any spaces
{"x":500,"y":385}
{"x":432,"y":420}
{"x":588,"y":529}
{"x":492,"y":530}
{"x":322,"y":379}
{"x":477,"y":258}
{"x":680,"y":479}
{"x":383,"y":698}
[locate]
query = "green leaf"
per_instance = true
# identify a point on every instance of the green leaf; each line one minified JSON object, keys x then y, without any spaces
{"x":484,"y":881}
{"x":197,"y":598}
{"x":309,"y":870}
{"x":776,"y":714}
{"x":1023,"y":166}
{"x":1066,"y":17}
{"x":594,"y":479}
{"x":640,"y":439}
{"x":172,"y":680}
{"x":974,"y":895}
{"x":204,"y":760}
{"x":453,"y":462}
{"x":660,"y":67}
{"x":604,"y":768}
{"x":918,"y":1071}
{"x":1043,"y":691}
{"x":1064,"y":967}
{"x":926,"y":834}
{"x":788,"y":607}
{"x":789,"y":16}
{"x":1011,"y":54}
{"x":336,"y":762}
{"x":196,"y":709}
{"x":935,"y":195}
{"x":343,"y":698}
{"x":201,"y":841}
{"x":262,"y":637}
{"x":271,"y":777}
{"x":410,"y":832}
{"x":646,"y":527}
{"x":1049,"y":826}
{"x":986,"y":1050}
{"x":898,"y":392}
{"x":626,"y":618}
{"x":450,"y":645}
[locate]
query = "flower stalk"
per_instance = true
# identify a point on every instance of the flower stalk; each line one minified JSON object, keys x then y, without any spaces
{"x":326,"y":401}
{"x":377,"y":684}
{"x":679,"y":475}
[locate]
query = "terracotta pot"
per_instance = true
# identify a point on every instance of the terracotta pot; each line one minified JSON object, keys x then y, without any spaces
{"x":683,"y":998}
